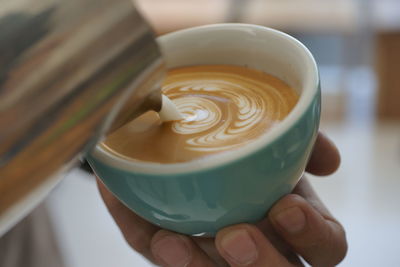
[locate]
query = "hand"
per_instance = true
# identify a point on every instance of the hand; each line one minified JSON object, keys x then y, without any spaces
{"x":298,"y":224}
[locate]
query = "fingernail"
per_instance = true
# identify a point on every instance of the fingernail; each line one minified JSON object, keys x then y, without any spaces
{"x":172,"y":251}
{"x":292,"y":220}
{"x":240,"y":247}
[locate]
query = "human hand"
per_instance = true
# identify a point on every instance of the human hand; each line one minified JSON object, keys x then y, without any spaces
{"x":297,"y":225}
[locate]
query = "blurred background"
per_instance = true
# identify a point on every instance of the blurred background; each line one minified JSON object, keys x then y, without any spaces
{"x":357,"y":46}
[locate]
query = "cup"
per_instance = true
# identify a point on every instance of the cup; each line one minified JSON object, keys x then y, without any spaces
{"x":203,"y":196}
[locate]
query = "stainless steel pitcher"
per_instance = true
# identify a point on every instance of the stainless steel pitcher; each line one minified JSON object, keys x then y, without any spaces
{"x":70,"y":71}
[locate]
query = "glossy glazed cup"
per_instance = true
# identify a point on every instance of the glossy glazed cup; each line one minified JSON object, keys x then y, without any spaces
{"x":203,"y":196}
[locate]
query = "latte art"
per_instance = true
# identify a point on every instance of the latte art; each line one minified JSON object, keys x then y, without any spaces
{"x":201,"y":96}
{"x":223,"y":107}
{"x":200,"y":114}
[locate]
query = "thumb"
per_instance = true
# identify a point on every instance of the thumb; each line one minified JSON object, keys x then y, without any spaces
{"x":245,"y":245}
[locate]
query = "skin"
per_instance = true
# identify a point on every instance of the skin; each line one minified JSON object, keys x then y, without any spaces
{"x":321,"y":240}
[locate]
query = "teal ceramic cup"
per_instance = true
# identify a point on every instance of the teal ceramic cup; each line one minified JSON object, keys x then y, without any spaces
{"x":200,"y":197}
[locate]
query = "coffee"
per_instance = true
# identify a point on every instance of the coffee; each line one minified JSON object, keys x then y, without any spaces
{"x":224,"y":107}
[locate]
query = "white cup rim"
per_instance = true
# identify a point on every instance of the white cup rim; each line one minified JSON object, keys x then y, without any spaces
{"x":213,"y":161}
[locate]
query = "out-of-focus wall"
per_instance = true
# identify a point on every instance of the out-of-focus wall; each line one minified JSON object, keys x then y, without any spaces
{"x":356,"y":43}
{"x":318,"y":16}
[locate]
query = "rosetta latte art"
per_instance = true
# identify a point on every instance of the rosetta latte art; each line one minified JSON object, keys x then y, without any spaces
{"x":224,"y":107}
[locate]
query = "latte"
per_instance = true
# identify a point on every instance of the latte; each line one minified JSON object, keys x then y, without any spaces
{"x":223,"y":106}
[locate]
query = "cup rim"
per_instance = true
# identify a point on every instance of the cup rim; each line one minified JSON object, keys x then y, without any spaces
{"x":223,"y":158}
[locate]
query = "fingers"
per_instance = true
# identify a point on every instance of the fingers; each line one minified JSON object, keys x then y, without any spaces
{"x":137,"y":231}
{"x":245,"y":245}
{"x":207,"y":244}
{"x":164,"y":247}
{"x":175,"y":250}
{"x":325,"y":158}
{"x":309,"y":229}
{"x":305,"y":190}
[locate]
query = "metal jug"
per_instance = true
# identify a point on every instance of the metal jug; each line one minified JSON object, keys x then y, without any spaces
{"x":70,"y":71}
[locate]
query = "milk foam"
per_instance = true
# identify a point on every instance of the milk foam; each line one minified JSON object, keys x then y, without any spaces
{"x":223,"y":107}
{"x":169,"y":112}
{"x":194,"y":96}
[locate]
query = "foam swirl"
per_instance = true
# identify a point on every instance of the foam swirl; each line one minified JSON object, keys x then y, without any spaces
{"x":200,"y":114}
{"x":224,"y":109}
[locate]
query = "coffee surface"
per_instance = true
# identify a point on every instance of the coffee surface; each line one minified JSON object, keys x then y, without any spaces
{"x":224,"y":107}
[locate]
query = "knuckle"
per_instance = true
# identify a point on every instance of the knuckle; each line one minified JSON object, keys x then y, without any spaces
{"x":139,"y":242}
